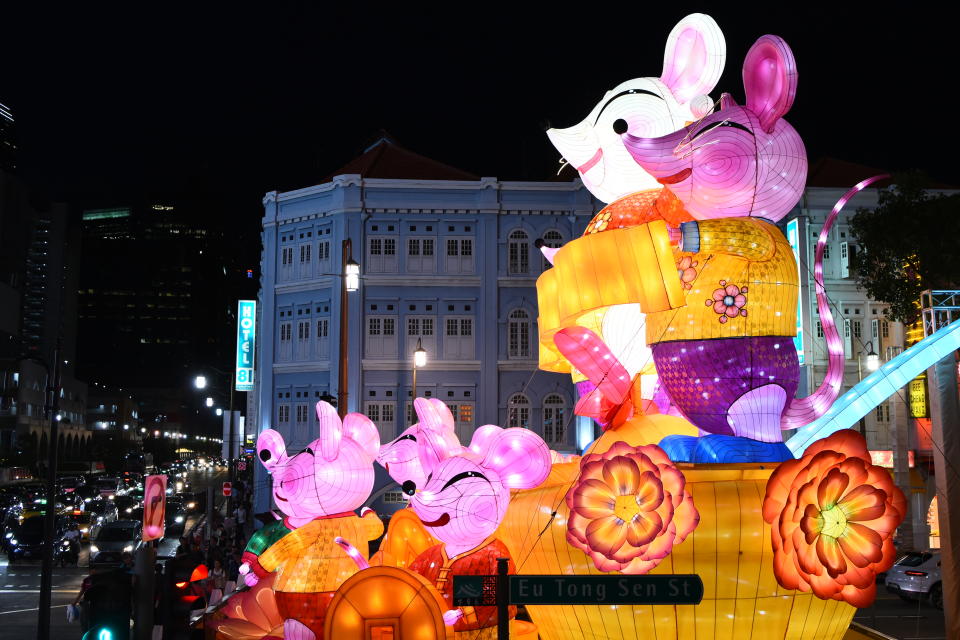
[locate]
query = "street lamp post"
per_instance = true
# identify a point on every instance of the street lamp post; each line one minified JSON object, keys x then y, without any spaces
{"x":52,"y":406}
{"x":873,"y":363}
{"x":350,"y":283}
{"x":419,"y":360}
{"x":200,"y":382}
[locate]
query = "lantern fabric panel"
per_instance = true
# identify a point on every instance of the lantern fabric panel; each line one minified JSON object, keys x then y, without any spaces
{"x":308,"y":560}
{"x":763,"y":274}
{"x":730,"y":549}
{"x":406,"y":538}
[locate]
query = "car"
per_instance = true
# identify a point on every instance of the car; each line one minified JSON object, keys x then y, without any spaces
{"x":125,"y":505}
{"x":916,"y":575}
{"x":191,"y":502}
{"x":108,"y":487}
{"x":113,"y":540}
{"x":24,"y":540}
{"x":175,"y":520}
{"x":102,"y":512}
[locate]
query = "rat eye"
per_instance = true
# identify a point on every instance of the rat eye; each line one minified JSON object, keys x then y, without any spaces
{"x":308,"y":450}
{"x":463,"y":476}
{"x":409,"y":436}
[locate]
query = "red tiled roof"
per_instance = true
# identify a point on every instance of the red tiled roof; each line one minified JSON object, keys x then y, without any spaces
{"x":387,"y":160}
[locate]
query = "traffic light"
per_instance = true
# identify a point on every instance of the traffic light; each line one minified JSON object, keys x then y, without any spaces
{"x":108,"y":599}
{"x":183,"y":594}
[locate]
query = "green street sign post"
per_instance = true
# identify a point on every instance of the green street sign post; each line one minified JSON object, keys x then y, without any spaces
{"x":502,"y":590}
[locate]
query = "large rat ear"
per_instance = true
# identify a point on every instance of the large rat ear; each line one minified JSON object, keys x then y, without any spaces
{"x":331,"y":430}
{"x":520,"y":457}
{"x":770,"y":79}
{"x":361,"y":430}
{"x":446,"y":417}
{"x":427,"y":414}
{"x":483,"y":437}
{"x":271,"y":449}
{"x":694,"y":57}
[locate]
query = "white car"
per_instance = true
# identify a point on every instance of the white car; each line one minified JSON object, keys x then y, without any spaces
{"x":916,"y":575}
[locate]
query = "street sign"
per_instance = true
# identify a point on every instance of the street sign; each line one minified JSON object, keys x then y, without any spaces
{"x":246,"y":347}
{"x":227,"y":489}
{"x":480,"y":590}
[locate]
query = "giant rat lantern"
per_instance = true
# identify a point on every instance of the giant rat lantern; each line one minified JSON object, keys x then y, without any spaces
{"x":317,"y":490}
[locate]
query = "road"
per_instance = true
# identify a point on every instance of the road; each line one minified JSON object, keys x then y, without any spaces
{"x":20,"y":583}
{"x":904,"y":620}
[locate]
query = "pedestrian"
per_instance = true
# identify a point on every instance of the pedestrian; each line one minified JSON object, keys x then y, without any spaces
{"x":218,"y":575}
{"x":83,"y":601}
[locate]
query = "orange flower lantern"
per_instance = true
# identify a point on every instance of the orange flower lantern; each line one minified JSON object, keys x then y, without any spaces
{"x":833,"y":515}
{"x":629,"y":508}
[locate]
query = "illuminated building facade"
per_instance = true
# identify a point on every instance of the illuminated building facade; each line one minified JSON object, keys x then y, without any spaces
{"x":448,"y":261}
{"x":8,"y":143}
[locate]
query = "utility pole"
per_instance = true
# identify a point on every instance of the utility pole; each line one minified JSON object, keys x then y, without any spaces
{"x":52,"y":408}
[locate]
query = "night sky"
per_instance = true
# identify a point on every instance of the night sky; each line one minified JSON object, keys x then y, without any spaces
{"x":228,"y":104}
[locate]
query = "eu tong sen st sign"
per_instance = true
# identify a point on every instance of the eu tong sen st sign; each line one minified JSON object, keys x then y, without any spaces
{"x":614,"y":589}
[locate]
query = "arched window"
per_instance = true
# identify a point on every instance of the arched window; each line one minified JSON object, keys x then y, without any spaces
{"x":554,"y":418}
{"x":518,"y":253}
{"x":518,"y":334}
{"x":518,"y":411}
{"x":554,"y":240}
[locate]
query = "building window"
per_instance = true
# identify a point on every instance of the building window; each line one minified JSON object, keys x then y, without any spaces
{"x":819,"y":329}
{"x":381,"y":336}
{"x":843,"y":250}
{"x":458,"y":341}
{"x":518,"y":253}
{"x":518,"y":334}
{"x":305,"y":253}
{"x":323,"y":250}
{"x":883,"y":412}
{"x":381,"y":254}
{"x":826,"y":252}
{"x":856,"y":329}
{"x":286,"y":256}
{"x":518,"y":411}
{"x":303,"y":339}
{"x":323,"y":338}
{"x":421,"y":328}
{"x":554,"y":418}
{"x":885,"y":329}
{"x":420,"y":255}
{"x":383,"y":414}
{"x":283,"y":414}
{"x":393,"y":497}
{"x":303,"y":413}
{"x":462,"y":418}
{"x":459,"y":255}
{"x":554,"y":240}
{"x":286,"y":332}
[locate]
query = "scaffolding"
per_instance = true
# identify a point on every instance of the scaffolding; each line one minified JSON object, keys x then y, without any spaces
{"x":939,"y":307}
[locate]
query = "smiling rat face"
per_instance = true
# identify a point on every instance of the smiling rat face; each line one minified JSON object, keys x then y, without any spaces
{"x":333,"y":474}
{"x":434,"y":434}
{"x":466,"y":495}
{"x":645,"y":107}
{"x":741,"y":160}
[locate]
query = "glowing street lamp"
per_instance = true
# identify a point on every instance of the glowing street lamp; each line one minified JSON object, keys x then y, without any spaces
{"x":419,"y":360}
{"x":200,"y":382}
{"x":219,"y":411}
{"x":209,"y":401}
{"x":351,"y":274}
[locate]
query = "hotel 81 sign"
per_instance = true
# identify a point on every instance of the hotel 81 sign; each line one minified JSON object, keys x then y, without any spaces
{"x":246,"y":332}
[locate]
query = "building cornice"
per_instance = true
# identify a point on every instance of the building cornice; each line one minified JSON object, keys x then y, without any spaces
{"x":435,"y":366}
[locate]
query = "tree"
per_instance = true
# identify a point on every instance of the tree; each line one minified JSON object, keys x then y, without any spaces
{"x":908,"y":244}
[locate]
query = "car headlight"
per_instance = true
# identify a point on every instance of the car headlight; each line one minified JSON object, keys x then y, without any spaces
{"x":128,"y":548}
{"x":178,"y":519}
{"x":129,"y":509}
{"x":13,"y":541}
{"x":9,"y":534}
{"x":94,"y":549}
{"x":84,"y":530}
{"x":111,"y":496}
{"x":191,"y":505}
{"x":86,"y":499}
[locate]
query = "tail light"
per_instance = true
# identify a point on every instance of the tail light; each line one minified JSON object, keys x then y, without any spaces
{"x":182,"y":585}
{"x":916,"y":573}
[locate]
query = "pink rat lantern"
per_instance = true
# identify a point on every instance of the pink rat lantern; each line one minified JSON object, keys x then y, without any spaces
{"x":462,"y":504}
{"x":317,"y":490}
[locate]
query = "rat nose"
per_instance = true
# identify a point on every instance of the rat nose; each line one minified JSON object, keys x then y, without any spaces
{"x":409,"y":487}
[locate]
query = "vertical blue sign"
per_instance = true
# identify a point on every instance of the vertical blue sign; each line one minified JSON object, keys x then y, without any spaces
{"x":793,"y":237}
{"x":246,"y":332}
